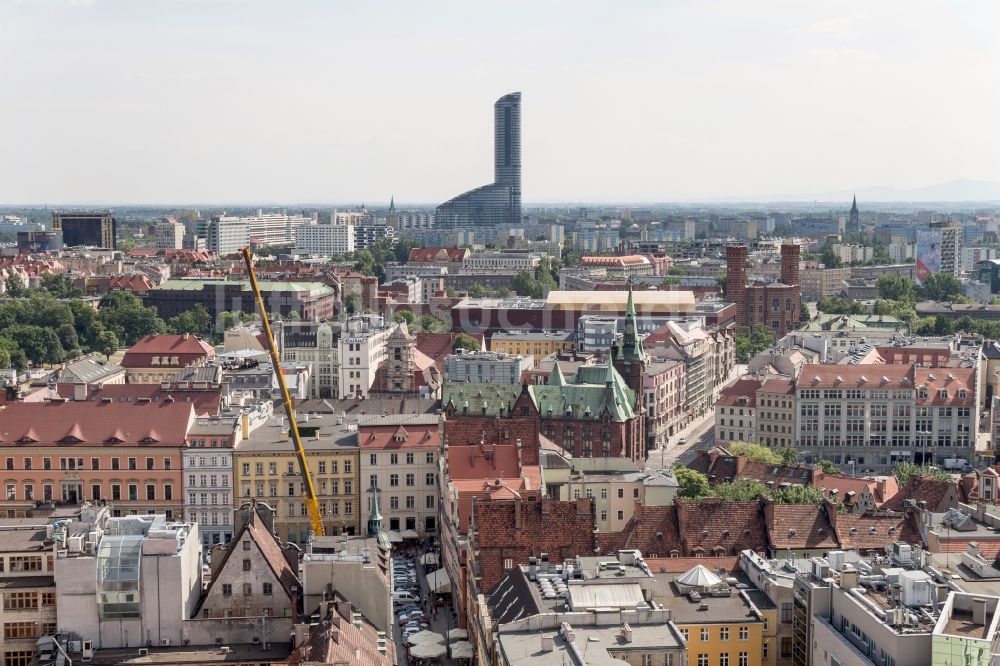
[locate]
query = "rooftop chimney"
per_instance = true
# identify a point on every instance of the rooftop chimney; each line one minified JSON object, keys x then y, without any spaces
{"x":547,"y":643}
{"x":979,"y":611}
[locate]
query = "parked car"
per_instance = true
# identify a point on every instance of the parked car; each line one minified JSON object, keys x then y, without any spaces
{"x":404,"y":595}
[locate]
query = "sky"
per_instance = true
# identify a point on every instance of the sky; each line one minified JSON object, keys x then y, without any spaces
{"x":246,"y":101}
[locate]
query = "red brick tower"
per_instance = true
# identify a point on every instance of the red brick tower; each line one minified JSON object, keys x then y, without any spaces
{"x":790,"y":264}
{"x":736,"y":281}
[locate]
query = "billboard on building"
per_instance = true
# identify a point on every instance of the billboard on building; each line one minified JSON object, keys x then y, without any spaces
{"x":928,"y":253}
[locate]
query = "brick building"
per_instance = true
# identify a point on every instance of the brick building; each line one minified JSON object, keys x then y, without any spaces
{"x":775,"y":304}
{"x":509,"y":530}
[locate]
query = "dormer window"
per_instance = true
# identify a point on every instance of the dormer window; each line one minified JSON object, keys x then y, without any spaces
{"x":943,"y":393}
{"x":922,"y":394}
{"x":962,"y":393}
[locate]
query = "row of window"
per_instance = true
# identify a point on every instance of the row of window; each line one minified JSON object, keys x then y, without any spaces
{"x":430,"y":479}
{"x":272,"y":487}
{"x":291,"y":468}
{"x":266,"y":588}
{"x":14,"y":630}
{"x":214,"y":461}
{"x":744,"y":659}
{"x":704,"y":634}
{"x":96,"y":492}
{"x":208,"y":480}
{"x":409,"y":457}
{"x":208,"y":498}
{"x":27,"y":600}
{"x":95,"y":463}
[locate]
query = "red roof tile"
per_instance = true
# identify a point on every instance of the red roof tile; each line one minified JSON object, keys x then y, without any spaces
{"x":799,"y":526}
{"x":409,"y":437}
{"x":206,"y":402}
{"x":741,"y":393}
{"x":93,"y":423}
{"x":438,"y":254}
{"x":855,"y":376}
{"x":955,"y":381}
{"x":188,"y":348}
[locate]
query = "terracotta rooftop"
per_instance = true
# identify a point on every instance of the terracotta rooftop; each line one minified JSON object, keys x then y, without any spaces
{"x":856,"y":376}
{"x":742,"y":393}
{"x":140,"y":423}
{"x":402,"y":436}
{"x":959,"y":385}
{"x":206,"y":402}
{"x":188,"y":348}
{"x":799,"y":526}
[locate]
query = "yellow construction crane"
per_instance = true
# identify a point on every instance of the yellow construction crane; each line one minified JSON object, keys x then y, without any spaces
{"x":309,"y":490}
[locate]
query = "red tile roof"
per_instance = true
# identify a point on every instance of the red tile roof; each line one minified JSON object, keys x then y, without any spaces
{"x":928,"y":357}
{"x":951,"y":380}
{"x":742,"y":393}
{"x":855,"y":376}
{"x":188,"y":348}
{"x":483,"y":461}
{"x":683,"y":564}
{"x":398,"y":437}
{"x":777,"y":385}
{"x":336,"y":640}
{"x":95,"y":423}
{"x":939,"y":495}
{"x":206,"y":402}
{"x":438,"y":254}
{"x":799,"y":527}
{"x":875,"y":531}
{"x":713,"y":526}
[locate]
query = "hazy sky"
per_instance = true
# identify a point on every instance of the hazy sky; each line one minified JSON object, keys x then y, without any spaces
{"x":150,"y":101}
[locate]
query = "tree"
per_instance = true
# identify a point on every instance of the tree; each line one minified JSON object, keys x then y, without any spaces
{"x":68,"y":338}
{"x":4,"y":358}
{"x":743,"y":489}
{"x":804,"y":314}
{"x":830,"y":259}
{"x":196,"y":321}
{"x":123,"y":313}
{"x":16,"y":288}
{"x":293,"y":315}
{"x":405,"y":316}
{"x":524,"y":284}
{"x":107,"y":344}
{"x":353,"y":304}
{"x":894,"y":287}
{"x":466,"y":341}
{"x":828,"y":467}
{"x":907,"y":471}
{"x":60,"y":286}
{"x":751,"y":342}
{"x":788,"y":455}
{"x":40,"y":345}
{"x":755,"y":452}
{"x":401,"y":251}
{"x":477,"y":290}
{"x":691,"y":484}
{"x":364,"y":262}
{"x":798,"y":494}
{"x":940,"y":287}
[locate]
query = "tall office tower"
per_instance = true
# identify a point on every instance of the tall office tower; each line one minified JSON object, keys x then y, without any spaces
{"x":94,"y":229}
{"x":854,"y":223}
{"x":498,"y":203}
{"x":939,"y":250}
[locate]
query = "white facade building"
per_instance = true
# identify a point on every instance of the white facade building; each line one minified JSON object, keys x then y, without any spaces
{"x":326,"y":239}
{"x":169,"y":235}
{"x":315,"y":345}
{"x":361,"y":350}
{"x":228,"y":234}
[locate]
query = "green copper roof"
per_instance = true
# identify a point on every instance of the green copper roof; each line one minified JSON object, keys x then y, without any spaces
{"x":489,"y":399}
{"x":592,"y":390}
{"x":557,"y":378}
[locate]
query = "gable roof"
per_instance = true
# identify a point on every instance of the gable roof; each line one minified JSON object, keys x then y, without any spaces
{"x":799,"y":526}
{"x":188,"y":348}
{"x":270,"y":549}
{"x":939,"y":495}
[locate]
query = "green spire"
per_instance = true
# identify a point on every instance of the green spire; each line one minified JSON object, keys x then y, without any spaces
{"x":375,"y":519}
{"x":630,"y":308}
{"x":609,"y":376}
{"x":557,"y":378}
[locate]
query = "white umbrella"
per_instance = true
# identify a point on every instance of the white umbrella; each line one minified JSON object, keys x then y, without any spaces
{"x":393,"y":537}
{"x":458,"y":633}
{"x":425,"y":637}
{"x":432,"y":651}
{"x":461,"y":650}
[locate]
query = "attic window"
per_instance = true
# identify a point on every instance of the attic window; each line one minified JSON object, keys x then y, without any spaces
{"x":725,"y":534}
{"x":791,"y":532}
{"x":854,"y":530}
{"x":931,"y":376}
{"x":746,"y":533}
{"x":70,"y":439}
{"x":862,"y":379}
{"x":872,"y":530}
{"x":838,"y":379}
{"x":943,"y":393}
{"x":922,"y":394}
{"x":962,"y":393}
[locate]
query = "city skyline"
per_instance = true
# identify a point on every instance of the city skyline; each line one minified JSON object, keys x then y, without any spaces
{"x":243,"y":102}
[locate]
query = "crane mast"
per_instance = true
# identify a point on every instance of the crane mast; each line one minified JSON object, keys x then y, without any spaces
{"x":309,"y":490}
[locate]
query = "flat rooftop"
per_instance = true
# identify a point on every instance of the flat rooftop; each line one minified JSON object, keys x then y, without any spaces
{"x":728,"y":609}
{"x":207,"y":654}
{"x":604,"y":645}
{"x":961,"y":624}
{"x":274,"y":436}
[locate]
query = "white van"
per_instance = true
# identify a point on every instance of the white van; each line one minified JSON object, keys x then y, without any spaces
{"x":403,"y":595}
{"x":957,"y":464}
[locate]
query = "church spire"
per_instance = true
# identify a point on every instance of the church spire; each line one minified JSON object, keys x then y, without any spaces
{"x":631,"y":349}
{"x":375,"y":521}
{"x":854,"y":204}
{"x":392,"y":204}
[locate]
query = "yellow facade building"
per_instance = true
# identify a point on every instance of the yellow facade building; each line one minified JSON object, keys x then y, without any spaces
{"x":535,"y":343}
{"x":722,"y":624}
{"x":266,"y":469}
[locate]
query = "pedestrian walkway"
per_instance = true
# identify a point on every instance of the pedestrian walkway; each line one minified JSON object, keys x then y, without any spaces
{"x":442,"y":620}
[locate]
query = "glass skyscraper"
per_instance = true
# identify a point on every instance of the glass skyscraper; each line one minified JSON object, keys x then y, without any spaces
{"x":498,"y":203}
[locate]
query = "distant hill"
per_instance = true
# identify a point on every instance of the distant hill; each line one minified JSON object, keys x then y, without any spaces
{"x":953,"y":190}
